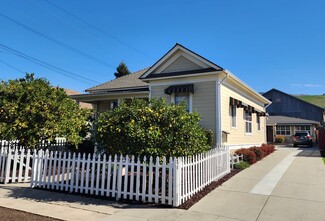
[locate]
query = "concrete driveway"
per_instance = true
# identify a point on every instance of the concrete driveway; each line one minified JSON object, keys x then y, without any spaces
{"x":287,"y":185}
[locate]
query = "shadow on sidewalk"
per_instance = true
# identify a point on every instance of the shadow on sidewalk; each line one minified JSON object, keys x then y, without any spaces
{"x":24,"y":192}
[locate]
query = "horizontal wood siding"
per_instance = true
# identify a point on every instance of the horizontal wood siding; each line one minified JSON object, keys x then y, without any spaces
{"x":237,"y":136}
{"x":181,"y":64}
{"x":204,"y":102}
{"x":159,"y":92}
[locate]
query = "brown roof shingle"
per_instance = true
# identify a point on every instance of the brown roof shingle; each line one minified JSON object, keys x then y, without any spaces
{"x":127,"y":81}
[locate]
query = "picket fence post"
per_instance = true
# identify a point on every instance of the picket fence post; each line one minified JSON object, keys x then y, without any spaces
{"x":8,"y":165}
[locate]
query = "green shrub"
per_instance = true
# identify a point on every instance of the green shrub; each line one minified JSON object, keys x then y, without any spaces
{"x":151,"y":128}
{"x":248,"y":155}
{"x":241,"y":165}
{"x":209,"y":135}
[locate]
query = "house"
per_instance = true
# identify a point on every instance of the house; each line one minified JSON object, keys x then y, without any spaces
{"x":229,"y":107}
{"x":288,"y":126}
{"x":287,"y":105}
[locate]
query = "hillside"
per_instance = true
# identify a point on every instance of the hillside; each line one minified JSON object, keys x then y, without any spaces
{"x":318,"y":100}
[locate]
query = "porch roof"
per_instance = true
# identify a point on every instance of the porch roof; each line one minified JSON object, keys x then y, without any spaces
{"x":284,"y":120}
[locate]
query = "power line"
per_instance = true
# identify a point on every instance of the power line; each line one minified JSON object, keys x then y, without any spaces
{"x":99,"y":30}
{"x":13,"y":67}
{"x":47,"y":65}
{"x":57,"y":42}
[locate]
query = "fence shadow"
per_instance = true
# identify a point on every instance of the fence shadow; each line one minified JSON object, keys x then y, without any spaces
{"x":19,"y":191}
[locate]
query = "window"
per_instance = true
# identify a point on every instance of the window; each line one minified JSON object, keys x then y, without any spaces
{"x":183,"y":97}
{"x":233,"y":110}
{"x":303,"y":128}
{"x":258,"y":121}
{"x":283,"y":130}
{"x":248,"y":121}
{"x":114,"y":104}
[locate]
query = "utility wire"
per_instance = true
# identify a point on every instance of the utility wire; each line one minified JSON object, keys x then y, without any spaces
{"x":99,"y":30}
{"x":9,"y":65}
{"x":57,"y":42}
{"x":47,"y":65}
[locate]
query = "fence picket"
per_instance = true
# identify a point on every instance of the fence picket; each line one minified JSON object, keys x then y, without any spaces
{"x":157,"y":180}
{"x":78,"y":171}
{"x":73,"y":168}
{"x":125,"y":191}
{"x":144,"y":178}
{"x":163,"y":181}
{"x":92,"y":179}
{"x":131,"y":195}
{"x":87,"y":173}
{"x":97,"y":175}
{"x":137,"y":187}
{"x":102,"y":189}
{"x":109,"y":188}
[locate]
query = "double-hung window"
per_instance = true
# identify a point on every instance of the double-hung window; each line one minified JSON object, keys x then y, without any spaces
{"x":258,"y":121}
{"x":248,"y":121}
{"x":233,"y":110}
{"x":183,"y":97}
{"x":282,"y":130}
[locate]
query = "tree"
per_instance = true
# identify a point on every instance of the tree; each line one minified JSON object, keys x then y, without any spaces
{"x":151,"y":128}
{"x":32,"y":110}
{"x":122,"y":70}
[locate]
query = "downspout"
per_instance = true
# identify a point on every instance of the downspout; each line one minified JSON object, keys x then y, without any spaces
{"x":265,"y":133}
{"x":219,"y":110}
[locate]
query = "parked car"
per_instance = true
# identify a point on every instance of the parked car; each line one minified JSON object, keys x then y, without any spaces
{"x":302,"y":138}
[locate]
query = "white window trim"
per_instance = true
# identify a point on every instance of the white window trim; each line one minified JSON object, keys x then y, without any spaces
{"x":290,"y":134}
{"x":190,"y":101}
{"x":258,"y":122}
{"x":231,"y":117}
{"x":251,"y":121}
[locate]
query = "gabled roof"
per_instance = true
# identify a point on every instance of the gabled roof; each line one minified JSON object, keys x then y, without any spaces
{"x":276,"y":90}
{"x":125,"y":82}
{"x":178,"y":47}
{"x":283,"y":120}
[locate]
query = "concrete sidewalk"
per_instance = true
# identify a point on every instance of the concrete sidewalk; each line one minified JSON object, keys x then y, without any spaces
{"x":287,"y":185}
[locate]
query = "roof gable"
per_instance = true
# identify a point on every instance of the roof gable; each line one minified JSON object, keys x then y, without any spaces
{"x":180,"y":60}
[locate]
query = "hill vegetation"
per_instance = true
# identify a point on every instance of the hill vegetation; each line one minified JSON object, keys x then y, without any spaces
{"x":318,"y":100}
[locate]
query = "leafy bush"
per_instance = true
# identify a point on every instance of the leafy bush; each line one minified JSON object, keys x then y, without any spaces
{"x":241,"y":165}
{"x":32,"y":110}
{"x":249,"y":156}
{"x":268,"y":148}
{"x":260,"y":154}
{"x":209,"y":135}
{"x":151,"y":128}
{"x":279,"y":139}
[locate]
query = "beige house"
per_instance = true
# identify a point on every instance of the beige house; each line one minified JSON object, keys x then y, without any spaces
{"x":230,"y":108}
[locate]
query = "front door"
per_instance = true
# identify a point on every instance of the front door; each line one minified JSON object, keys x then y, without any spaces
{"x":269,"y":134}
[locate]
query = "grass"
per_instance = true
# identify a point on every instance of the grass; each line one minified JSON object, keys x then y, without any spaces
{"x":323,"y":159}
{"x":318,"y":100}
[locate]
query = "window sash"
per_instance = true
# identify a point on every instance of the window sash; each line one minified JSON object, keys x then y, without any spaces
{"x":233,"y":115}
{"x":248,"y":121}
{"x":283,"y":130}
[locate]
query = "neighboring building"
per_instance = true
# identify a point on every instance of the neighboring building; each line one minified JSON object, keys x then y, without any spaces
{"x":81,"y":104}
{"x":230,"y":108}
{"x":288,"y":126}
{"x":287,"y":105}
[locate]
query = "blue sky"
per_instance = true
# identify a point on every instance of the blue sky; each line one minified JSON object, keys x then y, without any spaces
{"x":268,"y":44}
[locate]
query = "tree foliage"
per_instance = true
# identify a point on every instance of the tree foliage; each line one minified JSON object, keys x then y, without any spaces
{"x":31,"y":110}
{"x":122,"y":70}
{"x":151,"y":128}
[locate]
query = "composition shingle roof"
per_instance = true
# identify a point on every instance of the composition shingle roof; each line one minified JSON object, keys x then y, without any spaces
{"x":127,"y":81}
{"x":283,"y":120}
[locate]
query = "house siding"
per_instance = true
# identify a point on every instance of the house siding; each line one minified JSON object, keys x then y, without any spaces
{"x":181,"y":64}
{"x":203,"y":101}
{"x":237,"y":135}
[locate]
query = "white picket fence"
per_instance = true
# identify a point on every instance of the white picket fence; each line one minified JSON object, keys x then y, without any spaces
{"x":235,"y":158}
{"x":165,"y":181}
{"x":15,"y":165}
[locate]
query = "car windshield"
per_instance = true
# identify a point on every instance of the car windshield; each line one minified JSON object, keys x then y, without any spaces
{"x":301,"y":134}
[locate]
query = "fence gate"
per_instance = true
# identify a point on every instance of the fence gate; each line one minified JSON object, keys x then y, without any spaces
{"x":15,"y":165}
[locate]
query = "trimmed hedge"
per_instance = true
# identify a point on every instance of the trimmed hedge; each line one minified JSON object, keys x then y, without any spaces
{"x":253,"y":154}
